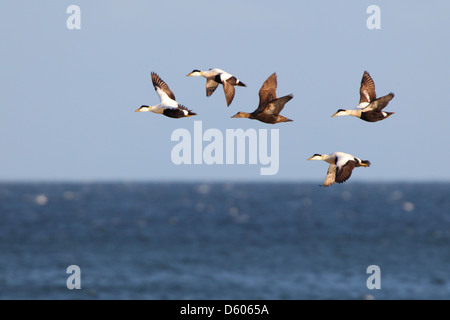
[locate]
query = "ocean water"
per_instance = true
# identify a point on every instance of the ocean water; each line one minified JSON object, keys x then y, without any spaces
{"x":225,"y":241}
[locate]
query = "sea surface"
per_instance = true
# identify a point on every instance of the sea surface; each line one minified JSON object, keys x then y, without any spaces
{"x":225,"y":241}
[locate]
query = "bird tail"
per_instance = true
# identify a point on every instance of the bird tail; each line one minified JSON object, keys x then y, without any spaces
{"x":389,"y":114}
{"x":284,"y":119}
{"x":190,"y":113}
{"x":240,"y":84}
{"x":365,"y":163}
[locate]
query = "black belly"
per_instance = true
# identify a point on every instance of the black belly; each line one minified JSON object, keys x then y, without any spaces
{"x":174,"y":113}
{"x":372,"y":116}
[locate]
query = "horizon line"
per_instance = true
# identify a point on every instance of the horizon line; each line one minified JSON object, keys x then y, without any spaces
{"x":215,"y":181}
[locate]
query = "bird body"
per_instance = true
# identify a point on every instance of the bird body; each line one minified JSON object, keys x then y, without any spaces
{"x":168,"y":105}
{"x":341,"y":166}
{"x":370,"y":107}
{"x":216,"y":76}
{"x":270,"y":106}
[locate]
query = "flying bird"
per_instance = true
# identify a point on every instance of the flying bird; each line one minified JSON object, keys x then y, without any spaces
{"x":168,"y":105}
{"x":214,"y":77}
{"x":341,"y":166}
{"x":270,"y":106}
{"x":370,"y":108}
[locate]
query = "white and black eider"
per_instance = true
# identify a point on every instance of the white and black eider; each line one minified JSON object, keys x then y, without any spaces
{"x":168,"y":105}
{"x":370,"y":108}
{"x":341,"y":166}
{"x":214,"y":77}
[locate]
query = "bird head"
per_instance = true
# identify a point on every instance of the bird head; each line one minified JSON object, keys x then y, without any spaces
{"x":144,"y":109}
{"x":340,"y":112}
{"x":317,"y":157}
{"x":195,"y":73}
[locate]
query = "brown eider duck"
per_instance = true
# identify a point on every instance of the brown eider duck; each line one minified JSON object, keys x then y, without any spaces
{"x":270,"y":106}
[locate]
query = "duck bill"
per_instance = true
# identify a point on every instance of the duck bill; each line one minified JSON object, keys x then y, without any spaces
{"x":190,"y":74}
{"x":311,"y":158}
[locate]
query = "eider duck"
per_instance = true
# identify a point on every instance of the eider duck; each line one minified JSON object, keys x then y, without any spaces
{"x":215,"y":76}
{"x":269,"y":107}
{"x":168,"y":105}
{"x":369,"y":108}
{"x":341,"y":166}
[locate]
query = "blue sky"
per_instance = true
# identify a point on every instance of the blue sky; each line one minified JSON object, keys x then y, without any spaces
{"x":67,"y":97}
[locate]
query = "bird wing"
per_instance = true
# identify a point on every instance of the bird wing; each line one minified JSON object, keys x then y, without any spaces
{"x":211,"y":86}
{"x":274,"y":107}
{"x":229,"y":92}
{"x":162,"y":89}
{"x":267,"y":93}
{"x":331,"y":176}
{"x":379,"y":104}
{"x":367,"y":89}
{"x":344,"y":173}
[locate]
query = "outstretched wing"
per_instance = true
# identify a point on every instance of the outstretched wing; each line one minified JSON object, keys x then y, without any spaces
{"x":367,"y":89}
{"x":380,"y":104}
{"x":344,"y":173}
{"x":228,"y":88}
{"x":211,"y":86}
{"x":267,"y":93}
{"x":274,"y":107}
{"x":162,"y":89}
{"x":331,"y":176}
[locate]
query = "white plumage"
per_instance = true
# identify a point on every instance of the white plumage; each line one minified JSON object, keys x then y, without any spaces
{"x":168,"y":105}
{"x":216,"y":76}
{"x":341,"y":166}
{"x":370,"y":107}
